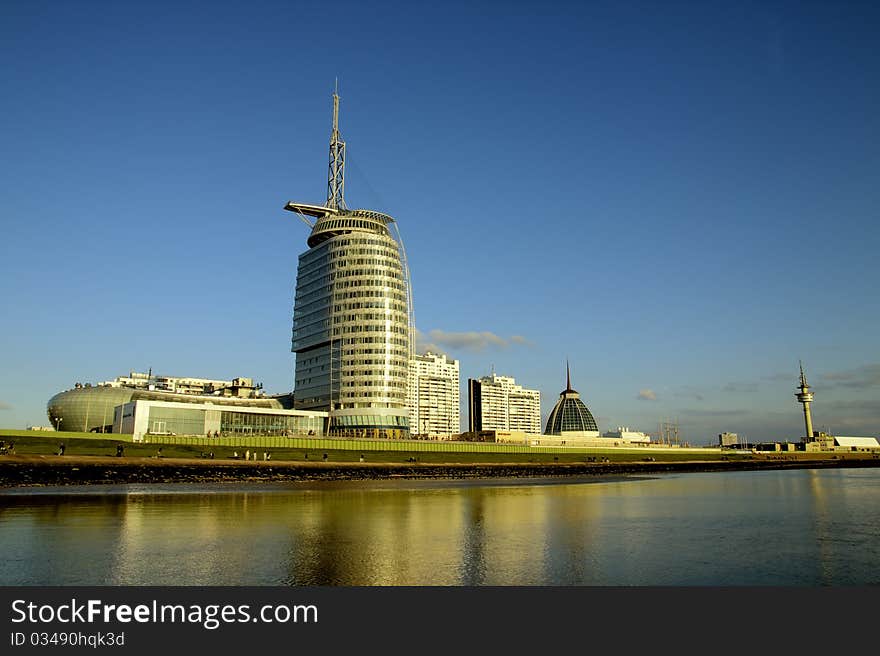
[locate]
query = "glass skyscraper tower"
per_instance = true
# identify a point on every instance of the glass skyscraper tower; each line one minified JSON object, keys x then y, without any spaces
{"x":352,"y":313}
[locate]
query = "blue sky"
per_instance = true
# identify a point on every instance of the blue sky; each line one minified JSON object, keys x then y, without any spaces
{"x":680,"y":198}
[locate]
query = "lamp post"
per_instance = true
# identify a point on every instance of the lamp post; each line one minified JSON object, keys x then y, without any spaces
{"x":58,"y":424}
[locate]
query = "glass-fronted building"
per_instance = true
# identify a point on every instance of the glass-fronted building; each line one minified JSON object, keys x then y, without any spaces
{"x":144,"y":418}
{"x":351,"y":318}
{"x":570,"y":416}
{"x":90,"y":408}
{"x":351,"y":326}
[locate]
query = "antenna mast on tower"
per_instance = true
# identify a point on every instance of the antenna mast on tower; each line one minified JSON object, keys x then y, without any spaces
{"x":336,"y":175}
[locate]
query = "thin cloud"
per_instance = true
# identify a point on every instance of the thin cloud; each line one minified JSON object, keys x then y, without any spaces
{"x":691,"y":412}
{"x":647,"y":395}
{"x":779,"y":377}
{"x":688,"y":393}
{"x":5,"y":406}
{"x":470,"y":340}
{"x":864,"y":377}
{"x":870,"y":407}
{"x":735,"y":387}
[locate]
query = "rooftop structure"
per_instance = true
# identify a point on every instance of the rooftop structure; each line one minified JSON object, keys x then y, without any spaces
{"x":239,"y":387}
{"x":570,"y":415}
{"x":352,"y":313}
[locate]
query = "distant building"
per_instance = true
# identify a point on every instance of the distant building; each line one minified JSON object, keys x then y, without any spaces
{"x":857,"y":443}
{"x":144,"y":418}
{"x":434,"y":396}
{"x":728,"y":439}
{"x":498,"y":403}
{"x":624,"y":434}
{"x":243,"y":388}
{"x":90,"y":408}
{"x":570,"y":417}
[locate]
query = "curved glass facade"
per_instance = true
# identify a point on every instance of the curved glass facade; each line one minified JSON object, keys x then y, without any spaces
{"x":570,"y":414}
{"x":86,"y":409}
{"x":90,"y":409}
{"x":351,"y":325}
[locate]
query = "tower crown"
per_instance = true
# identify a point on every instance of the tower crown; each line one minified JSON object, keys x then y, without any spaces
{"x":803,"y":395}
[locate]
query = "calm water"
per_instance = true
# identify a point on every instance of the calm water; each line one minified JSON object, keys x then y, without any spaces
{"x":804,"y":527}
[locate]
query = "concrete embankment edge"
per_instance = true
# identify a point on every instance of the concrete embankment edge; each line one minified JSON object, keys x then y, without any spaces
{"x":15,"y":472}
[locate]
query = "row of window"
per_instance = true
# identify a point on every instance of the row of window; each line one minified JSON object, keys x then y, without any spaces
{"x":374,"y":351}
{"x":311,"y":293}
{"x":369,"y":420}
{"x":312,"y":271}
{"x":303,"y":328}
{"x":372,"y":272}
{"x":370,"y":328}
{"x":357,"y":383}
{"x":399,"y":396}
{"x":357,"y":240}
{"x":393,"y":306}
{"x":370,"y":293}
{"x":350,"y":224}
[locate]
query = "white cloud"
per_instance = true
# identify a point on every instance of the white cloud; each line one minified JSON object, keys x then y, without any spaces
{"x":647,"y":395}
{"x":437,"y":340}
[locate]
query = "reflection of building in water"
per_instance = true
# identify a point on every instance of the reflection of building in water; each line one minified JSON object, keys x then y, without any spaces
{"x":377,"y":537}
{"x":201,"y":538}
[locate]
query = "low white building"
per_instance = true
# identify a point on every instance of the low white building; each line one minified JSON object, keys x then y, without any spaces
{"x":624,"y":434}
{"x":142,"y":418}
{"x":857,"y":443}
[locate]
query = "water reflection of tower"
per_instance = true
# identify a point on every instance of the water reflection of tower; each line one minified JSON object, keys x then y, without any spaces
{"x":805,"y":396}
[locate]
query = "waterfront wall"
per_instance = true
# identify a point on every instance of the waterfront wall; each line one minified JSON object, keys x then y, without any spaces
{"x":432,"y":446}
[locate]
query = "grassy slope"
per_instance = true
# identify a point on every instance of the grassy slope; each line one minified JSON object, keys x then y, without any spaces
{"x":37,"y":443}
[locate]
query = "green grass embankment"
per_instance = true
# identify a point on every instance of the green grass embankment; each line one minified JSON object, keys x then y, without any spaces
{"x":341,"y":450}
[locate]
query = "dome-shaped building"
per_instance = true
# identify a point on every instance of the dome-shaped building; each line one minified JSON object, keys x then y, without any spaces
{"x":570,"y":416}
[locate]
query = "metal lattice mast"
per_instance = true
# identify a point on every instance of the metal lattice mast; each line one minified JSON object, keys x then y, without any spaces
{"x":336,"y":175}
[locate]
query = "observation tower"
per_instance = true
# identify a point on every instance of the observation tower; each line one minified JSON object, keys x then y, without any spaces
{"x":805,"y":396}
{"x":352,"y":315}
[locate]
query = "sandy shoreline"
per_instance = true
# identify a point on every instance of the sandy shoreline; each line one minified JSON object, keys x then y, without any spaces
{"x":30,"y":470}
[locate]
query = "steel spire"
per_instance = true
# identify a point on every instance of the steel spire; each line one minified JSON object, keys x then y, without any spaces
{"x":336,"y":174}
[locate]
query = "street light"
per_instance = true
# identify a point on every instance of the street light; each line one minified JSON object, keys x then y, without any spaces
{"x":58,"y":424}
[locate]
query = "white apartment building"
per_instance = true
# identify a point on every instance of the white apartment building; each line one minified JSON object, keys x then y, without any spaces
{"x":434,"y":400}
{"x":498,"y":403}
